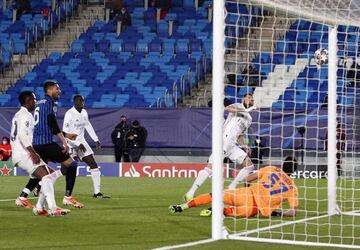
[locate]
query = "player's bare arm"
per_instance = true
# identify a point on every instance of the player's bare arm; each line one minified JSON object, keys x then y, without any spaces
{"x":290,"y":213}
{"x":234,"y":109}
{"x":33,"y":155}
{"x":63,"y":141}
{"x":252,"y":178}
{"x":71,"y":136}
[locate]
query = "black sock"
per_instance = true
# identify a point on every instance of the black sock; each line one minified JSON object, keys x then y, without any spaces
{"x":70,"y":179}
{"x":32,"y":183}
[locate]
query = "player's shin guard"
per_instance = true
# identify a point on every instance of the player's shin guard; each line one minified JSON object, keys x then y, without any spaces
{"x":95,"y":176}
{"x":241,"y":176}
{"x":48,"y":190}
{"x":70,"y":178}
{"x":200,"y":179}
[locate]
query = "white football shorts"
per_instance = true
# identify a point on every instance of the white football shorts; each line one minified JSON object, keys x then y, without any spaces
{"x":234,"y":152}
{"x":76,"y":152}
{"x":28,"y":165}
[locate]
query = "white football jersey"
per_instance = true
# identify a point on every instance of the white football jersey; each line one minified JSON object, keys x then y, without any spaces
{"x":236,"y":124}
{"x":22,"y":128}
{"x":76,"y":123}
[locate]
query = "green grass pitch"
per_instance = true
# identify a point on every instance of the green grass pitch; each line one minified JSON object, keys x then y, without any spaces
{"x":136,"y":217}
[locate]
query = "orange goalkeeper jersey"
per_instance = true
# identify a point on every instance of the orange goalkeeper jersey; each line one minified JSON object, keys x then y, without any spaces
{"x":274,"y":186}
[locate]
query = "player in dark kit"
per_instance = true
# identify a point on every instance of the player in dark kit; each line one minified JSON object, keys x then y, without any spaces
{"x":45,"y":127}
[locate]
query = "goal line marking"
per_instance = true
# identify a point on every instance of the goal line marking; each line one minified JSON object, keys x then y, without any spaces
{"x":190,"y":244}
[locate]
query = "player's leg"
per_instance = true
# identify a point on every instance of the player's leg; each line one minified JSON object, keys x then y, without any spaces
{"x":203,"y":175}
{"x":54,"y":174}
{"x":95,"y":175}
{"x":69,"y":169}
{"x":48,"y":177}
{"x":22,"y":200}
{"x":200,"y":200}
{"x":241,"y":158}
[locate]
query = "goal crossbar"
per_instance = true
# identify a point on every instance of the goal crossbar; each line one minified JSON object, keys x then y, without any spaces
{"x":332,"y":12}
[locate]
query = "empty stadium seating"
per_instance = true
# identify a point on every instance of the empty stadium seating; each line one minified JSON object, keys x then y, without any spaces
{"x":16,"y":37}
{"x":140,"y":67}
{"x":148,"y":64}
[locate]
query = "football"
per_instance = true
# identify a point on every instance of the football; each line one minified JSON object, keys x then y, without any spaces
{"x":321,"y":56}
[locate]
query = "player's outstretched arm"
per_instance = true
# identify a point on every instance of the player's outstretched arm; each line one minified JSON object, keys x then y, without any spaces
{"x":290,"y":213}
{"x":234,"y":109}
{"x":252,"y":178}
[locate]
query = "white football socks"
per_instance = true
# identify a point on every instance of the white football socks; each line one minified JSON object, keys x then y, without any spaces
{"x":48,"y":190}
{"x":200,"y":179}
{"x":95,"y":176}
{"x":241,"y":176}
{"x":41,"y":201}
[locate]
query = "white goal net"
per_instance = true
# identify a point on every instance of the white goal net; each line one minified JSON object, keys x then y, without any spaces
{"x":308,"y":108}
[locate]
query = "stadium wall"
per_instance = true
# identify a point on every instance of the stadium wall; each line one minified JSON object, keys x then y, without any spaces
{"x":191,"y":128}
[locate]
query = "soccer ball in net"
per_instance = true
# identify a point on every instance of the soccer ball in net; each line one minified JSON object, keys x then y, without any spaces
{"x":321,"y":56}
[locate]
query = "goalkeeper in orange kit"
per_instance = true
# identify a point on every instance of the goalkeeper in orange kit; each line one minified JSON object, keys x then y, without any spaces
{"x":274,"y":186}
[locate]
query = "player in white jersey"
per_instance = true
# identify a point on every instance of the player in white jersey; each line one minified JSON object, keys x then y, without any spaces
{"x":76,"y":121}
{"x":236,"y":124}
{"x":25,"y":157}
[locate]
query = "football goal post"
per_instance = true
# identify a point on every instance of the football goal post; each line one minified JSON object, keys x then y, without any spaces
{"x":300,"y":61}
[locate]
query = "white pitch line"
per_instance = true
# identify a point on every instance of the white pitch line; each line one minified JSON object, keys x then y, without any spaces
{"x":5,"y":200}
{"x":190,"y":244}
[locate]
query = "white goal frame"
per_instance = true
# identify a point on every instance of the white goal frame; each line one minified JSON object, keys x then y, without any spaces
{"x":332,"y":20}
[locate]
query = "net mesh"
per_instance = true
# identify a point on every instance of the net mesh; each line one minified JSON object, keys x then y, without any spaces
{"x":269,"y":51}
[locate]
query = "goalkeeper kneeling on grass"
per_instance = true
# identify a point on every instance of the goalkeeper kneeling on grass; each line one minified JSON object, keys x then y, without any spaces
{"x":274,"y":186}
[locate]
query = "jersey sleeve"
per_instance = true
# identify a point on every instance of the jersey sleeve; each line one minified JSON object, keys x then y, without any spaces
{"x":89,"y":128}
{"x":25,"y":130}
